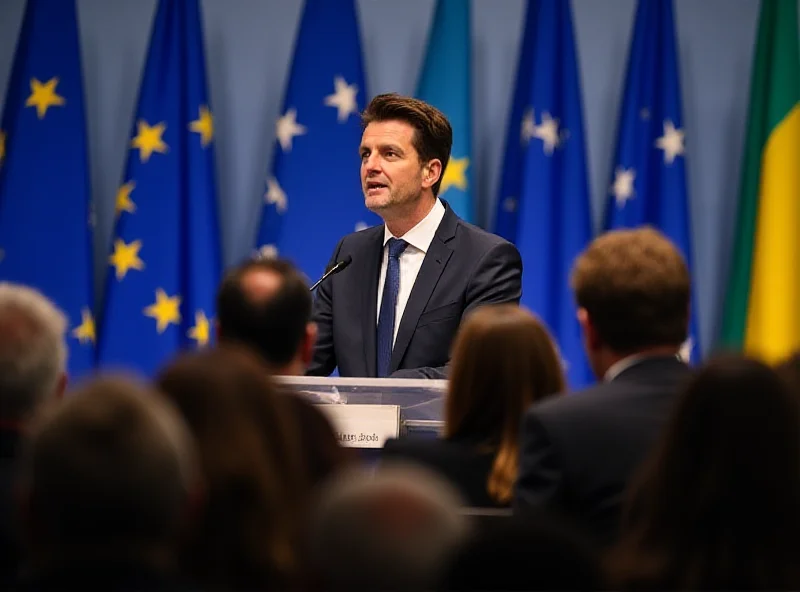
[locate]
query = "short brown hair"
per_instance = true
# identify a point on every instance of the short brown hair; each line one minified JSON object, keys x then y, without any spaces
{"x":504,"y":360}
{"x":635,"y":286}
{"x":433,"y":137}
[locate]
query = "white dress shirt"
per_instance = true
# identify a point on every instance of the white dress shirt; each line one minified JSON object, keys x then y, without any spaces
{"x":419,"y":240}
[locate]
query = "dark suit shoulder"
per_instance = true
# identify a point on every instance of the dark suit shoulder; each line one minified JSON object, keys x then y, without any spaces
{"x":481,"y":239}
{"x":647,"y":381}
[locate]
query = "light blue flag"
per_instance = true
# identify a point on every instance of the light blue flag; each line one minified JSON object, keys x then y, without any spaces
{"x":544,"y":205}
{"x":445,"y":83}
{"x":313,"y":194}
{"x":648,"y":181}
{"x":45,"y":204}
{"x":165,"y":262}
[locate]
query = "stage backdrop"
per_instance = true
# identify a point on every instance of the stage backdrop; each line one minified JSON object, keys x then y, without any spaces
{"x":249,"y":45}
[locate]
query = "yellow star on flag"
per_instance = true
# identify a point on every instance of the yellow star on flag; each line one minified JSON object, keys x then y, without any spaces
{"x":204,"y":125}
{"x":165,"y":310}
{"x":201,"y":332}
{"x":455,"y":175}
{"x":2,"y":146}
{"x":126,"y":256}
{"x":85,"y":332}
{"x":124,"y":202}
{"x":43,"y":96}
{"x":148,"y":139}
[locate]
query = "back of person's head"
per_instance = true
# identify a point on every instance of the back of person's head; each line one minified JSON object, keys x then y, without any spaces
{"x":265,"y":305}
{"x":503,"y":361}
{"x":109,"y":470}
{"x":33,"y":351}
{"x":391,"y":530}
{"x":534,"y":552}
{"x":322,"y":453}
{"x":252,"y":462}
{"x":632,"y":288}
{"x":716,"y":504}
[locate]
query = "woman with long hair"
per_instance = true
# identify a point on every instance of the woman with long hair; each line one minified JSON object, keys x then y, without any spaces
{"x":717,"y":504}
{"x":503,"y":361}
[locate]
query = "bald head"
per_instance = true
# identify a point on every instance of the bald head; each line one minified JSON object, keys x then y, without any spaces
{"x":260,"y":284}
{"x":113,"y":464}
{"x":265,"y":305}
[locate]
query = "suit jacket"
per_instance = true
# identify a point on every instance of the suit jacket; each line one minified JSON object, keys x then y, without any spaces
{"x":578,"y":452}
{"x":461,"y":462}
{"x":464,"y":268}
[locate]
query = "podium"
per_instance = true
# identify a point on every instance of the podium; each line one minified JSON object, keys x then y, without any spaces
{"x":365,"y":412}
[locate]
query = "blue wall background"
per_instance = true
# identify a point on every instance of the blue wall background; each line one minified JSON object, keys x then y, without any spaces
{"x":249,"y":45}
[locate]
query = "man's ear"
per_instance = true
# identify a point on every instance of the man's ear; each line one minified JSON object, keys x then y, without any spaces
{"x":591,"y":337}
{"x":431,"y":173}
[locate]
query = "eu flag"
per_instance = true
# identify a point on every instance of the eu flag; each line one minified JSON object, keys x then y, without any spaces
{"x":313,"y":194}
{"x":648,"y":183}
{"x":445,"y":83}
{"x":45,"y":209}
{"x":544,"y":202}
{"x":165,"y":262}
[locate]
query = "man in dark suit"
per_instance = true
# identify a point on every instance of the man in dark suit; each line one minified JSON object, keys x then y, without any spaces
{"x":578,"y":452}
{"x":395,"y":309}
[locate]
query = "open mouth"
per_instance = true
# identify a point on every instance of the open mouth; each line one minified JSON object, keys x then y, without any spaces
{"x":375,"y":187}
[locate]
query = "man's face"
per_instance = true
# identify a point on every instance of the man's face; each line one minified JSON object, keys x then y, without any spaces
{"x":391,"y":172}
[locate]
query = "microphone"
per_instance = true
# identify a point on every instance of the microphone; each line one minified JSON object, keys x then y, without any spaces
{"x":339,"y":266}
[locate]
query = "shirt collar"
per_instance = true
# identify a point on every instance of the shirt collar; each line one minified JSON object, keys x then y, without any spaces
{"x":620,"y":366}
{"x":421,"y":236}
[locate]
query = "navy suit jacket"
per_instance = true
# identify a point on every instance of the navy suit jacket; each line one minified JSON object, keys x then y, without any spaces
{"x":578,"y":452}
{"x":464,"y":268}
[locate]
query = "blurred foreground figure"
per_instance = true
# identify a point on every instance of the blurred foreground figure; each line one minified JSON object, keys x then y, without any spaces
{"x":391,"y":530}
{"x":108,"y":486}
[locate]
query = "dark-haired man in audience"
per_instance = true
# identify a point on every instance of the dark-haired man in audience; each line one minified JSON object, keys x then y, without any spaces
{"x":265,"y":305}
{"x":578,"y":452}
{"x":33,"y":356}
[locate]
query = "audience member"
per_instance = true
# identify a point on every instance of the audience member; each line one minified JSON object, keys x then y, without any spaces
{"x":33,"y":357}
{"x":391,"y":530}
{"x":716,"y":505}
{"x":533,"y":553}
{"x":249,"y":448}
{"x":265,"y":305}
{"x":503,"y":361}
{"x":108,"y":485}
{"x":578,"y":452}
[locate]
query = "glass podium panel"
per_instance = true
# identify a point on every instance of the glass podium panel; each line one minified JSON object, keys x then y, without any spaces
{"x":366,"y":411}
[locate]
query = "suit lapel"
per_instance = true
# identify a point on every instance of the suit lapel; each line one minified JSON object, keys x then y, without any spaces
{"x":433,"y":265}
{"x":369,"y":272}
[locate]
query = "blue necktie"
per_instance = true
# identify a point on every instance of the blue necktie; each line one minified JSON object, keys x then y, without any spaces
{"x":391,"y":286}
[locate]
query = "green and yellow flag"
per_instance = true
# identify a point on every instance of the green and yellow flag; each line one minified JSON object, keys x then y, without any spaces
{"x":762,"y":310}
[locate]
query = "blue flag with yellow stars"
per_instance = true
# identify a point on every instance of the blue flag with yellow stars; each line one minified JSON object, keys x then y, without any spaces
{"x":165,"y":260}
{"x":648,"y":183}
{"x":446,"y":84}
{"x":312,"y":196}
{"x":544,"y":204}
{"x":45,"y":205}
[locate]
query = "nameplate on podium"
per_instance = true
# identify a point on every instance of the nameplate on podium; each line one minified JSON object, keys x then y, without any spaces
{"x":363,"y":426}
